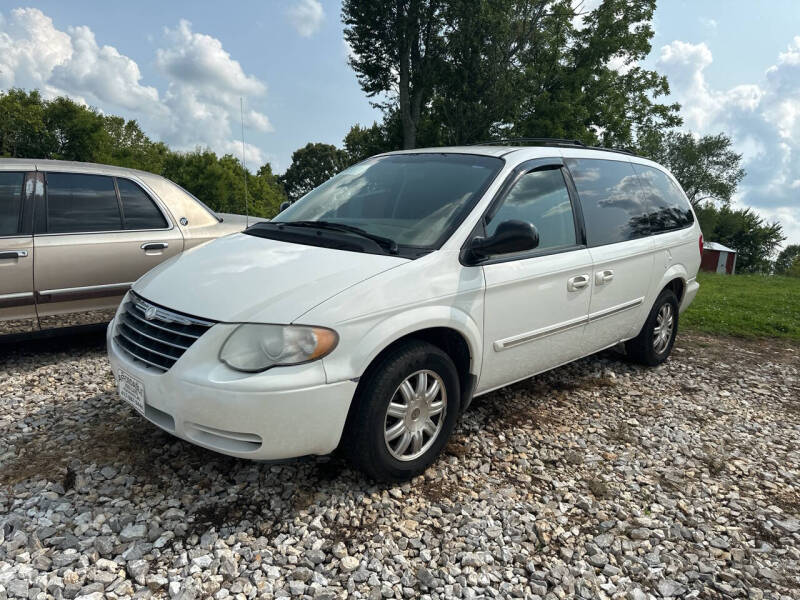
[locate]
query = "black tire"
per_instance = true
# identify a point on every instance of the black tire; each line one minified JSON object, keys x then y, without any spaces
{"x":643,"y":349}
{"x":364,"y":442}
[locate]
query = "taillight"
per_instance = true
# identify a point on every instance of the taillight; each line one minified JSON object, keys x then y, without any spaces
{"x":701,"y":245}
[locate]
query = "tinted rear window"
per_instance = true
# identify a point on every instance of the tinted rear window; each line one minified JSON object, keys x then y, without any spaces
{"x":10,"y":202}
{"x":81,"y":203}
{"x":140,"y":210}
{"x":611,"y":199}
{"x":668,"y":209}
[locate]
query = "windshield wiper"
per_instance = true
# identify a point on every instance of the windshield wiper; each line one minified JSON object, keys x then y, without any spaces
{"x":387,"y":244}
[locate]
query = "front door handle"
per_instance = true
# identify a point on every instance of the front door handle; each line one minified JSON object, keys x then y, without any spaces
{"x":577,"y":283}
{"x":603,"y":277}
{"x":13,"y":254}
{"x":154,"y":246}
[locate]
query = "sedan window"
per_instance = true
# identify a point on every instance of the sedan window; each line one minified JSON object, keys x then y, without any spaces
{"x":139,"y":210}
{"x":81,"y":203}
{"x":10,"y":202}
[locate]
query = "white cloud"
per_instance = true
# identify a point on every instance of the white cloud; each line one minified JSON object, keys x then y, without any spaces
{"x":198,"y":107}
{"x":762,"y":118}
{"x":306,"y":16}
{"x":708,"y":23}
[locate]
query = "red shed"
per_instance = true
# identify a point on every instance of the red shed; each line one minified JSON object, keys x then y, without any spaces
{"x":718,"y":258}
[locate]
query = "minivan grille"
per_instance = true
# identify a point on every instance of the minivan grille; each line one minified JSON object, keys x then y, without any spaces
{"x":154,"y":335}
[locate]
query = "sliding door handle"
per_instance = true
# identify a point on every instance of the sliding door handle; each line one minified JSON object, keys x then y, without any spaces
{"x":13,"y":254}
{"x":154,"y":246}
{"x":603,"y":277}
{"x":577,"y":283}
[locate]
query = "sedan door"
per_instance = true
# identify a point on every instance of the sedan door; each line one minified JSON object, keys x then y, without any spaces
{"x":536,"y":303}
{"x":95,"y":235}
{"x":17,"y":306}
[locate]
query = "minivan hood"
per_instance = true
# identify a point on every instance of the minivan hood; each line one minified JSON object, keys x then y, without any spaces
{"x":243,"y":278}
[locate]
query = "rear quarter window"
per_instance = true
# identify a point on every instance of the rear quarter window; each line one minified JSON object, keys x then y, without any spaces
{"x":611,"y":200}
{"x":139,"y":209}
{"x":667,"y":207}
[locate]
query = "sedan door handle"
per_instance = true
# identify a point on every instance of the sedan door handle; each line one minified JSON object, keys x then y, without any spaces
{"x":577,"y":283}
{"x":155,"y":246}
{"x":603,"y":277}
{"x":13,"y":254}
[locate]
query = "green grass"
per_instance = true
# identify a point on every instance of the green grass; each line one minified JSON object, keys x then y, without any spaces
{"x":751,"y":306}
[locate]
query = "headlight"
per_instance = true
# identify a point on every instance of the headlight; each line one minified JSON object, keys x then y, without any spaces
{"x":253,"y":348}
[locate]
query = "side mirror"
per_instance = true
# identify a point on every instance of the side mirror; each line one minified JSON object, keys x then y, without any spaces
{"x":284,"y":205}
{"x":509,"y":237}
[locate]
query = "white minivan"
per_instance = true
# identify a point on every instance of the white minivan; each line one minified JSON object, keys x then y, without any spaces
{"x":368,"y":314}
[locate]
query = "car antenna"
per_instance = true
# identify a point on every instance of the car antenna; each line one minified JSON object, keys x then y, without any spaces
{"x":244,"y":166}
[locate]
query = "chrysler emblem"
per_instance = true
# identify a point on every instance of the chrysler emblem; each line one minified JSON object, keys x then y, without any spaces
{"x":150,"y":313}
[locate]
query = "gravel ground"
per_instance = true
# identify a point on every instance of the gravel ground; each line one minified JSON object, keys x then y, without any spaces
{"x":596,"y":480}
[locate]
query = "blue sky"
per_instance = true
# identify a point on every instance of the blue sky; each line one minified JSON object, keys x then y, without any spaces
{"x":180,"y":68}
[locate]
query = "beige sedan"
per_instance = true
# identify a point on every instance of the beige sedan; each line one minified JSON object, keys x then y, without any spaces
{"x":75,"y":236}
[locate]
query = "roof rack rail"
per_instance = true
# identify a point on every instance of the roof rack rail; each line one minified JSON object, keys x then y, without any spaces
{"x":554,"y":142}
{"x":542,"y":141}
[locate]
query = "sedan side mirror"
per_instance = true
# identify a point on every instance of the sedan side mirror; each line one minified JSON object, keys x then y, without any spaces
{"x":284,"y":205}
{"x":509,"y":237}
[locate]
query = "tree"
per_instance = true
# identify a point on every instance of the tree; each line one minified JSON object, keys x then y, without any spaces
{"x":396,"y":48}
{"x":706,"y":167}
{"x":743,"y":230}
{"x":23,"y":132}
{"x":363,"y":142}
{"x":461,"y":71}
{"x":585,"y":83}
{"x":79,"y":131}
{"x":219,"y":182}
{"x":312,"y":165}
{"x":787,"y":258}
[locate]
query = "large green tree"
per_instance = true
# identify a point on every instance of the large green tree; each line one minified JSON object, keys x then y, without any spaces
{"x":396,"y":48}
{"x":754,"y":239}
{"x":485,"y":69}
{"x":312,"y":165}
{"x":707,"y":167}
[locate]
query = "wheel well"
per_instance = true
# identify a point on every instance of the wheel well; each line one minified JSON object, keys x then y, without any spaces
{"x":450,"y":342}
{"x":677,"y":286}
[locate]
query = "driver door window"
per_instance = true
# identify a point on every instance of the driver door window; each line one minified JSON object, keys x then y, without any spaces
{"x":540,"y":198}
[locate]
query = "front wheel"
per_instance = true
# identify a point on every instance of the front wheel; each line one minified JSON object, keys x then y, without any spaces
{"x":404,"y":412}
{"x":654,"y":343}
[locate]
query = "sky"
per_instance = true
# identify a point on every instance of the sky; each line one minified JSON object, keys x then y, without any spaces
{"x":180,"y":69}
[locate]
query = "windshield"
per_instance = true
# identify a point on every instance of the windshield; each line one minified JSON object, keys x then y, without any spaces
{"x":411,"y":199}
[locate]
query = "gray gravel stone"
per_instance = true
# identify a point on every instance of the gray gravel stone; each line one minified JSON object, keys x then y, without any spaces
{"x":597,"y":480}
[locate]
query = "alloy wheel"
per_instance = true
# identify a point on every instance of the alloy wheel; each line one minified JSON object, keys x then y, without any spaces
{"x":415,"y":415}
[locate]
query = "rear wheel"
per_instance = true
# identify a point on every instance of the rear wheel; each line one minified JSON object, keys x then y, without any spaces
{"x":404,"y":412}
{"x":654,"y":343}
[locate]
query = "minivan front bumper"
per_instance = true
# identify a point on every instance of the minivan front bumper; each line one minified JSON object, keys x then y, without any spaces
{"x":282,"y":413}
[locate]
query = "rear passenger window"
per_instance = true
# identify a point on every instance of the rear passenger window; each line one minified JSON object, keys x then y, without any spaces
{"x":668,"y":209}
{"x":81,"y":203}
{"x":139,"y":209}
{"x":611,"y":199}
{"x":10,"y":202}
{"x":540,"y":198}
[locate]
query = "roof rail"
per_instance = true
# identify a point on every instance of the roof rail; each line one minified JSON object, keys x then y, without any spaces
{"x":542,"y":141}
{"x":554,"y":142}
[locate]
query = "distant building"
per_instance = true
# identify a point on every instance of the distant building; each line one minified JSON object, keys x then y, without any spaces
{"x":718,"y":258}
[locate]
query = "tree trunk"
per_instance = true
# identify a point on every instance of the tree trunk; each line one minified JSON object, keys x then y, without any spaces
{"x":409,"y":127}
